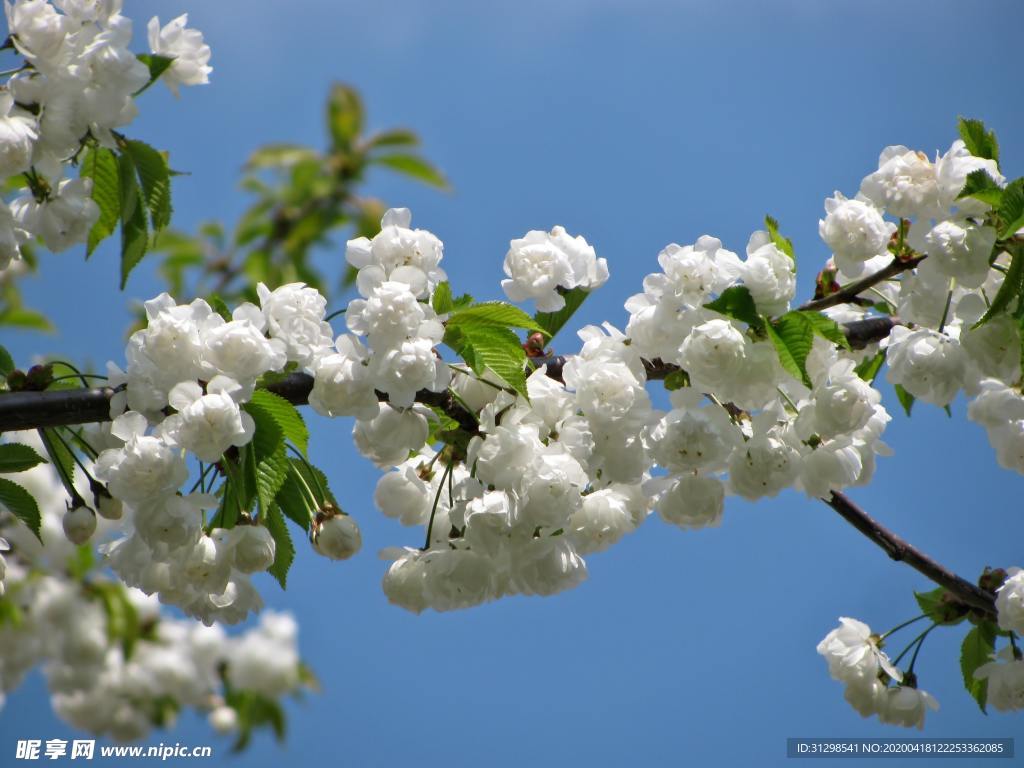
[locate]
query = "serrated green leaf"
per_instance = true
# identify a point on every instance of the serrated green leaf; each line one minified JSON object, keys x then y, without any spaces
{"x":154,"y":176}
{"x":6,"y":362}
{"x":485,"y":346}
{"x":979,"y":142}
{"x":15,"y":457}
{"x":442,"y":301}
{"x":1011,"y":287}
{"x":1011,"y":208}
{"x":826,"y":327}
{"x":286,"y":416}
{"x":495,"y":313}
{"x":793,"y":336}
{"x":284,"y":549}
{"x":552,"y":322}
{"x":906,"y":399}
{"x":157,"y":65}
{"x":268,"y":462}
{"x":868,"y":368}
{"x":980,"y":186}
{"x":784,"y":244}
{"x":737,"y":303}
{"x":134,"y":231}
{"x":100,"y":165}
{"x":977,"y":649}
{"x":20,"y":503}
{"x":293,"y":499}
{"x":414,"y":167}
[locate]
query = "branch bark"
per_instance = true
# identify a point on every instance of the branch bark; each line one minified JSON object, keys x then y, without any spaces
{"x":898,"y":549}
{"x":857,"y":287}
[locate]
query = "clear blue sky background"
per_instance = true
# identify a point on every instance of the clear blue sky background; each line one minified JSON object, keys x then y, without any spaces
{"x":636,"y":123}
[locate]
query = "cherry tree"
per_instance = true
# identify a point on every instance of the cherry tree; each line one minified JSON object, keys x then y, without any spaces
{"x":184,"y":468}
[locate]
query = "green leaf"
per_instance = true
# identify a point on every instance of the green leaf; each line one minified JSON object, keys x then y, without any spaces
{"x":122,"y":617}
{"x":940,"y":606}
{"x":15,"y":457}
{"x":1011,"y":208}
{"x":677,"y":380}
{"x":793,"y":338}
{"x":6,"y":362}
{"x":552,"y":322}
{"x":134,"y":233}
{"x":977,"y":649}
{"x":980,"y":186}
{"x":21,"y":504}
{"x":58,"y":452}
{"x":1011,"y":288}
{"x":396,"y":137}
{"x":268,"y":463}
{"x":736,"y":302}
{"x":442,"y":301}
{"x":869,"y":367}
{"x":414,"y":167}
{"x":344,"y":116}
{"x":495,"y":313}
{"x":906,"y":399}
{"x":284,"y":549}
{"x":293,"y":499}
{"x":280,"y":155}
{"x":826,"y":327}
{"x":20,"y":317}
{"x":979,"y":142}
{"x":784,"y":244}
{"x":485,"y":346}
{"x":157,"y":65}
{"x":286,"y":416}
{"x":255,"y":711}
{"x":154,"y":175}
{"x":218,"y":306}
{"x":100,"y":165}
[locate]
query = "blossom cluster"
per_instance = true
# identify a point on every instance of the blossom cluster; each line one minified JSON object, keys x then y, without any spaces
{"x":202,"y":367}
{"x":855,"y":658}
{"x":108,"y":672}
{"x":77,"y":84}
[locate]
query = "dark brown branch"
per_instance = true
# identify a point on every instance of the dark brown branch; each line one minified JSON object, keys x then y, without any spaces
{"x":898,"y":549}
{"x":31,"y":410}
{"x":851,"y":290}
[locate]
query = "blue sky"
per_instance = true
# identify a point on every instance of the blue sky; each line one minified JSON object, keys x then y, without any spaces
{"x":635,"y":124}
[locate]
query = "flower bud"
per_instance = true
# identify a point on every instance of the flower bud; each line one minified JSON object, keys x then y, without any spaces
{"x":106,"y":505}
{"x":223,"y":719}
{"x":254,"y":548}
{"x":79,"y":524}
{"x":337,"y":537}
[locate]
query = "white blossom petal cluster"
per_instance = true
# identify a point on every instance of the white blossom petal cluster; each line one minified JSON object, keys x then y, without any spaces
{"x":855,"y":658}
{"x":540,"y":263}
{"x":537,"y":491}
{"x":97,"y":681}
{"x":79,"y":83}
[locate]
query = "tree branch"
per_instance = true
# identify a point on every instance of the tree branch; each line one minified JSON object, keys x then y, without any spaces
{"x":857,"y":287}
{"x":898,"y":549}
{"x":32,"y":410}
